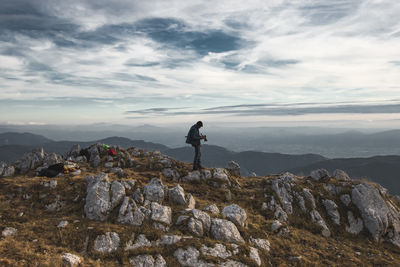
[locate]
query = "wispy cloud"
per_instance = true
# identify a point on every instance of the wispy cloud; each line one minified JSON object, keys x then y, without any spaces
{"x":176,"y":54}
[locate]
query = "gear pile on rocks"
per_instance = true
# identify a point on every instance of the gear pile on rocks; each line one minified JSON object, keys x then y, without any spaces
{"x":200,"y":218}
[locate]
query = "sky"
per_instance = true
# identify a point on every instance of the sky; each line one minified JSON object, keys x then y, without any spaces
{"x":253,"y":63}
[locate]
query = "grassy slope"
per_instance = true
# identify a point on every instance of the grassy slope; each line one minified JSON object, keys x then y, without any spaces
{"x":39,"y":241}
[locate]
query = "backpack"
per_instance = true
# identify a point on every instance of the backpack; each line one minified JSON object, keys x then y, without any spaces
{"x":189,"y":137}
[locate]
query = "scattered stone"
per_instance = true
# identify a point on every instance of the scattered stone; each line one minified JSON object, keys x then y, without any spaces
{"x":62,"y":224}
{"x":118,"y":171}
{"x":118,"y":193}
{"x":161,"y":213}
{"x":320,"y":174}
{"x":255,"y":256}
{"x":31,"y":161}
{"x":3,"y":165}
{"x":212,"y":208}
{"x":108,"y":164}
{"x":141,"y":241}
{"x":193,"y":176}
{"x":332,"y":211}
{"x":147,"y":261}
{"x":236,"y":214}
{"x":154,"y":190}
{"x":71,"y":259}
{"x":295,"y":258}
{"x":282,"y":187}
{"x":98,"y":205}
{"x":9,"y":171}
{"x":332,"y":189}
{"x":234,"y":168}
{"x":346,"y":199}
{"x":195,"y":227}
{"x":55,"y":206}
{"x":355,"y":225}
{"x":191,"y":202}
{"x":167,"y":240}
{"x":189,"y":257}
{"x":259,"y":243}
{"x":309,"y":197}
{"x":181,"y":219}
{"x":203,"y":217}
{"x":74,"y":151}
{"x":225,"y":231}
{"x":221,"y":175}
{"x":218,"y":251}
{"x":138,"y":196}
{"x":341,"y":175}
{"x":276,"y":225}
{"x":8,"y":231}
{"x":171,"y":174}
{"x":206,"y":174}
{"x":316,"y":217}
{"x":107,"y":243}
{"x":177,"y":195}
{"x":302,"y":203}
{"x":125,"y":214}
{"x":232,"y":263}
{"x":381,"y":219}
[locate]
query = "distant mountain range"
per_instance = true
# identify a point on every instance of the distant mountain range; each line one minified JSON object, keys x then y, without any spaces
{"x":381,"y":169}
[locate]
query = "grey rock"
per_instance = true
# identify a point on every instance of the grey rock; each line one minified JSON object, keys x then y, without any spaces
{"x":212,"y":208}
{"x":232,"y":263}
{"x":320,"y":174}
{"x":276,"y":225}
{"x":8,"y":231}
{"x":380,"y":218}
{"x":341,"y":175}
{"x":316,"y":217}
{"x":193,"y":176}
{"x":125,"y":214}
{"x":307,"y":194}
{"x":221,"y":175}
{"x":74,"y":151}
{"x":31,"y":160}
{"x":260,"y":243}
{"x":107,"y":243}
{"x":195,"y":227}
{"x":95,"y":161}
{"x":3,"y":165}
{"x":55,"y":206}
{"x":98,"y":204}
{"x":177,"y":195}
{"x":154,"y":190}
{"x":171,"y":174}
{"x":62,"y":224}
{"x":189,"y":257}
{"x":301,"y":201}
{"x":160,"y":226}
{"x":118,"y":193}
{"x":273,"y":206}
{"x":119,"y":171}
{"x":147,"y":261}
{"x":346,"y":199}
{"x":332,"y":189}
{"x":234,"y":168}
{"x":332,"y":211}
{"x":126,"y":185}
{"x":138,"y":196}
{"x":167,"y":240}
{"x":108,"y":164}
{"x":282,"y":188}
{"x":52,"y":159}
{"x":203,"y":217}
{"x":53,"y":184}
{"x":355,"y":225}
{"x":225,"y":231}
{"x":236,"y":214}
{"x":141,"y":241}
{"x":161,"y":213}
{"x":206,"y":174}
{"x":191,"y":202}
{"x":139,"y":216}
{"x":181,"y":219}
{"x":255,"y":256}
{"x":218,"y":251}
{"x":71,"y":259}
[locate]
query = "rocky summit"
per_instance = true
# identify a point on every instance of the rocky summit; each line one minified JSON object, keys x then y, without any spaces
{"x":133,"y":207}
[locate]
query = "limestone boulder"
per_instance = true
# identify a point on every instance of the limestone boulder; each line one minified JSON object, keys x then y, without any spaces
{"x":332,"y":210}
{"x":317,"y":218}
{"x":320,"y":174}
{"x":218,"y":251}
{"x":107,"y":243}
{"x":341,"y":175}
{"x":154,"y":190}
{"x":71,"y":259}
{"x":98,"y":203}
{"x":171,"y":174}
{"x":234,"y":168}
{"x":161,"y":213}
{"x":225,"y":231}
{"x":177,"y":195}
{"x":189,"y":257}
{"x":235,"y":214}
{"x":380,"y":218}
{"x":212,"y":208}
{"x":356,"y":225}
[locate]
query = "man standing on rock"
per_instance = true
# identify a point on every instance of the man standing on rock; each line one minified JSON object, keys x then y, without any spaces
{"x":194,"y":138}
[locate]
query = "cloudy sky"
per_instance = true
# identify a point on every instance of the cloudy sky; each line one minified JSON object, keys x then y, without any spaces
{"x":277,"y":62}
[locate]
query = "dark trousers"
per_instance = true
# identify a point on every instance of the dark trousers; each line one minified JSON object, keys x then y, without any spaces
{"x":197,"y":156}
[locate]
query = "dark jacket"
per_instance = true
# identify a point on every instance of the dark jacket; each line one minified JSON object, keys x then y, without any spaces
{"x":193,"y":137}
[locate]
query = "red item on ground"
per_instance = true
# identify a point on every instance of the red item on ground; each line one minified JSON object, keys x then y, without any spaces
{"x":111,"y":152}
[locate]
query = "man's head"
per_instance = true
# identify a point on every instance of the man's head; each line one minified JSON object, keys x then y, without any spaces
{"x":199,"y":124}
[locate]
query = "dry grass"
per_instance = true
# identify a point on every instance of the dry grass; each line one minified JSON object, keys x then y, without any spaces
{"x":39,"y":242}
